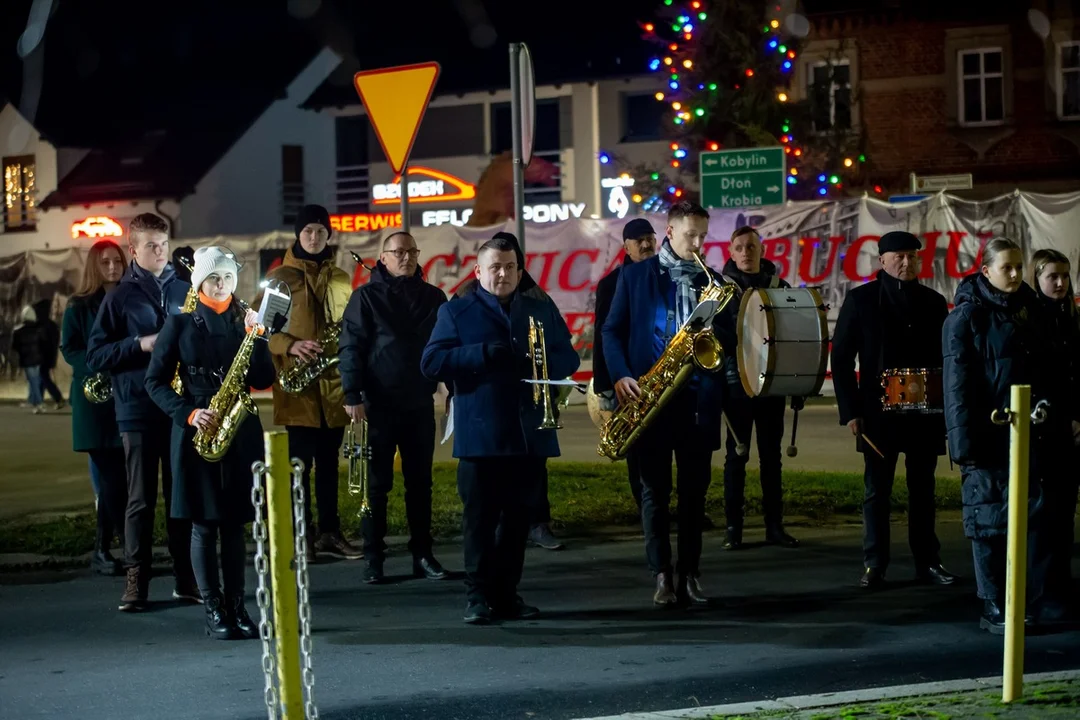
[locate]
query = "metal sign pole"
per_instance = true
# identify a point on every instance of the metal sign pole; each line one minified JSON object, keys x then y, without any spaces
{"x":515,"y":122}
{"x":405,"y":198}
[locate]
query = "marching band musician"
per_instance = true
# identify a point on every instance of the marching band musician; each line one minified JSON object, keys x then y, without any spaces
{"x":892,"y":322}
{"x":94,"y":429}
{"x":765,"y":415}
{"x":639,"y":243}
{"x":315,"y":418}
{"x":120,"y":343}
{"x":653,"y":299}
{"x":479,"y":348}
{"x":386,"y":326}
{"x":214,"y":496}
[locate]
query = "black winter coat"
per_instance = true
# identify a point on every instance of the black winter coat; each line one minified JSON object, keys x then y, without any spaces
{"x":605,"y":292}
{"x":27,"y":343}
{"x":992,"y":342}
{"x":387,"y":324}
{"x":765,"y":278}
{"x":1059,"y":323}
{"x":50,"y":335}
{"x":887,"y":324}
{"x":205,"y":344}
{"x":93,"y":426}
{"x":136,"y":307}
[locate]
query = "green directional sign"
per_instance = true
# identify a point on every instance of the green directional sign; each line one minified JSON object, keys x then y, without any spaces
{"x":743,"y":178}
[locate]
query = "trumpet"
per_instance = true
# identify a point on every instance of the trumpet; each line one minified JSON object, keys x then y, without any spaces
{"x":541,"y":391}
{"x":191,"y":301}
{"x":359,"y":455}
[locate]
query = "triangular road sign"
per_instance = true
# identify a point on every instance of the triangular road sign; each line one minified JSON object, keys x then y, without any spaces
{"x":395,"y":99}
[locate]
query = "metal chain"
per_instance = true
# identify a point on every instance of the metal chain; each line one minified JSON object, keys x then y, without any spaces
{"x":304,"y":600}
{"x":262,"y":594}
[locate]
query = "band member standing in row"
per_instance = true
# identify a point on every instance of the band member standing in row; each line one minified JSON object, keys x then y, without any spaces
{"x":639,"y":243}
{"x":387,"y":324}
{"x":540,"y":533}
{"x":214,"y":496}
{"x":1052,"y":281}
{"x":479,"y":348}
{"x":653,"y":299}
{"x":315,"y":418}
{"x":892,"y":322}
{"x":123,"y":337}
{"x":93,"y":425}
{"x":747,"y":415}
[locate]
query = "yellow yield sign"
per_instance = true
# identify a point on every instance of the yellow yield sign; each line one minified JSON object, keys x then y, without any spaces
{"x":396,"y":99}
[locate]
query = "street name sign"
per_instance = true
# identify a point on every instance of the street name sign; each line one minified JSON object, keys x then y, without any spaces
{"x":743,"y":178}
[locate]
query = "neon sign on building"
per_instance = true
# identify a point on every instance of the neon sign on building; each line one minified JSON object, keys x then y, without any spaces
{"x":435,"y":187}
{"x":98,"y":226}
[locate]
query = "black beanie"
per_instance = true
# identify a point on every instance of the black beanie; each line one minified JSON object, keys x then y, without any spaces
{"x":313,"y":214}
{"x":898,"y":241}
{"x":637,"y":228}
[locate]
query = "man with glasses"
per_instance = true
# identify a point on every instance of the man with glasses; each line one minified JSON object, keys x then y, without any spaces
{"x":386,"y":326}
{"x":120,"y":343}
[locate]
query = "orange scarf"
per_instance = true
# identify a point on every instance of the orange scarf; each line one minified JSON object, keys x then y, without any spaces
{"x":218,"y":306}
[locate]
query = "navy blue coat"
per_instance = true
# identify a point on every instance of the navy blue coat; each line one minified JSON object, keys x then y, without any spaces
{"x":137,"y":306}
{"x":629,"y":347}
{"x":494,"y":412}
{"x":991,"y":342}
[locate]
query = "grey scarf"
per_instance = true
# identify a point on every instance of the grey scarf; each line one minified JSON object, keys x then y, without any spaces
{"x":682,"y":273}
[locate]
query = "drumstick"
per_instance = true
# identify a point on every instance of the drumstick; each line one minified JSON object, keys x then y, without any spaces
{"x":792,"y":451}
{"x":740,"y":447}
{"x":871,"y":444}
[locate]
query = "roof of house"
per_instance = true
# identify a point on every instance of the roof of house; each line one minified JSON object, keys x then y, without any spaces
{"x":157,"y":94}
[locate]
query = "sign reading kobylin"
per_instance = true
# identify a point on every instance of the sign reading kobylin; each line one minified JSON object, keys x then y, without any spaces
{"x":743,"y":178}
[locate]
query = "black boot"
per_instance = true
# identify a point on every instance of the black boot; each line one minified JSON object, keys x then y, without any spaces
{"x":247,"y":628}
{"x":732,"y":538}
{"x":993,"y":617}
{"x":219,"y":624}
{"x":102,"y":562}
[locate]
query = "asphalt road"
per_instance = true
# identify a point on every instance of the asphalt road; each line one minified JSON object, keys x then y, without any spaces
{"x":786,"y":622}
{"x":41,"y":473}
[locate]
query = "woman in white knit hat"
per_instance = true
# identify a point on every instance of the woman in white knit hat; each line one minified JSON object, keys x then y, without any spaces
{"x":215,"y":496}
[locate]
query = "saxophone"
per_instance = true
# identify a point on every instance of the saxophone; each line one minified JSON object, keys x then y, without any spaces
{"x":98,"y":388}
{"x":190,"y":303}
{"x":693,"y":346}
{"x":296,"y":378}
{"x":231,"y":404}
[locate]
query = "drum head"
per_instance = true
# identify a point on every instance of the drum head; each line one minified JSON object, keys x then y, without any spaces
{"x":755,"y":325}
{"x":783,"y":342}
{"x":598,"y":416}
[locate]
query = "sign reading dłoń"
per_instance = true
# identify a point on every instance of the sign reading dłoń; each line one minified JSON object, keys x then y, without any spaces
{"x":745,"y":178}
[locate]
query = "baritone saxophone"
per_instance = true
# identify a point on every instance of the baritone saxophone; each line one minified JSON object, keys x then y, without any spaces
{"x":694,"y":346}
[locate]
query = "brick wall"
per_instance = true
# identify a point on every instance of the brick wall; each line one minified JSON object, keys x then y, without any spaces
{"x":907,"y":128}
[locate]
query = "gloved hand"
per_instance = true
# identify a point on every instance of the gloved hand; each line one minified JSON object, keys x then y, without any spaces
{"x":500,"y":357}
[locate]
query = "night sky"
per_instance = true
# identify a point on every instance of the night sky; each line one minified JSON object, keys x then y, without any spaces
{"x":106,"y":72}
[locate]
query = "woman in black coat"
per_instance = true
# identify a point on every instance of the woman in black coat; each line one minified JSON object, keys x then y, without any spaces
{"x":1051,"y":279}
{"x":215,"y":496}
{"x":991,"y":342}
{"x":93,"y":425}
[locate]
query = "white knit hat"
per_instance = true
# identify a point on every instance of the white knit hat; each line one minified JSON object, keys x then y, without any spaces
{"x":209,"y":260}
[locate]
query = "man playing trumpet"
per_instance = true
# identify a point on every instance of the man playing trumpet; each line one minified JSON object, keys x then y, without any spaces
{"x":479,"y":349}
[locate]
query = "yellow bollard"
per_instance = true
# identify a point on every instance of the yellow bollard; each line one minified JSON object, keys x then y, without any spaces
{"x":1016,"y":562}
{"x":282,"y":574}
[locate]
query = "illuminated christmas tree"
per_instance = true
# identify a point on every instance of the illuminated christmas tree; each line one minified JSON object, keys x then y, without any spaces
{"x":729,"y":66}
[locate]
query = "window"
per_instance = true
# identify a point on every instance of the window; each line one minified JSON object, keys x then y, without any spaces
{"x":547,"y":127}
{"x":450,"y":131}
{"x":1068,"y":90}
{"x":292,"y":183}
{"x":829,"y":90}
{"x":982,"y":87}
{"x":643,"y":117}
{"x":20,"y":208}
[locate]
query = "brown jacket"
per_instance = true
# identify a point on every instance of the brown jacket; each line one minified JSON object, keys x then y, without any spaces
{"x":320,"y":293}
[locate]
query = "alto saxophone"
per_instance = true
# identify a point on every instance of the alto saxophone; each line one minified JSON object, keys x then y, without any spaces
{"x":190,"y":303}
{"x":359,"y":455}
{"x":231,"y":404}
{"x":694,"y":346}
{"x":296,"y":378}
{"x":98,"y":388}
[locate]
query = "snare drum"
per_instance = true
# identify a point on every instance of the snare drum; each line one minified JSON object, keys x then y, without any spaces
{"x":912,"y":390}
{"x":783,"y":342}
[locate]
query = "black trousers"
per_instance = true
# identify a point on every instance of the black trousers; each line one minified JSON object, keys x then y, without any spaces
{"x":1059,"y":524}
{"x":877,"y":504}
{"x":112,"y":500}
{"x":144,"y":453}
{"x":319,"y":447}
{"x":204,"y":557}
{"x":47,"y":385}
{"x":676,"y":433}
{"x":990,"y":555}
{"x":633,"y":475}
{"x":541,"y":505}
{"x":413,"y":434}
{"x":492,"y":489}
{"x":766,"y":414}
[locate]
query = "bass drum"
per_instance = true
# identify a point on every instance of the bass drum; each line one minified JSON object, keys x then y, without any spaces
{"x":598,"y":415}
{"x":783,"y":342}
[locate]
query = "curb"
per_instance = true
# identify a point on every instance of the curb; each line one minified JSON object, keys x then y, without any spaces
{"x":825,"y":700}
